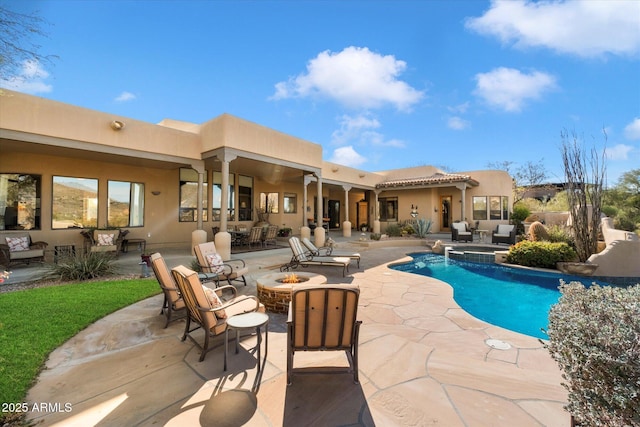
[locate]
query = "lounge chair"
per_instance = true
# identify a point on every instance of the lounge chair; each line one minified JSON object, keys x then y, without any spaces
{"x":460,"y":232}
{"x":323,"y":318}
{"x":305,"y":259}
{"x":504,"y":233}
{"x":328,"y":251}
{"x":211,"y":263}
{"x":205,"y":307}
{"x":173,"y":301}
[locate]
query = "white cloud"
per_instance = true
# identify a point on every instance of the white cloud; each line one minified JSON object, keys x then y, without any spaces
{"x":125,"y":96}
{"x":461,"y":108}
{"x":355,"y":77}
{"x":347,"y":156}
{"x":361,"y":130}
{"x":632,"y":130}
{"x":586,"y":28}
{"x":509,"y":89}
{"x":30,"y":80}
{"x":618,"y":152}
{"x":457,"y":123}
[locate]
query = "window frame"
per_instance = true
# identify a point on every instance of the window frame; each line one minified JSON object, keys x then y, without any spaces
{"x":135,"y":202}
{"x":27,"y":204}
{"x":189,"y":213}
{"x":88,"y":202}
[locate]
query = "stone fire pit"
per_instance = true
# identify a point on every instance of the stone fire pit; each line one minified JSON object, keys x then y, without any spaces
{"x":276,"y":295}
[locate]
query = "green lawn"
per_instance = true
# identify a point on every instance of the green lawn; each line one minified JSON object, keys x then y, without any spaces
{"x":35,"y":322}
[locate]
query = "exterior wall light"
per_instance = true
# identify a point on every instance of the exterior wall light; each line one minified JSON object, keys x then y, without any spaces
{"x":117,"y":125}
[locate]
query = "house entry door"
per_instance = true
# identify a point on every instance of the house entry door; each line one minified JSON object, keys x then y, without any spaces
{"x":334,"y":213}
{"x":445,"y":213}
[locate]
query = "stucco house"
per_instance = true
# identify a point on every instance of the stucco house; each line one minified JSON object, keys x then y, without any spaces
{"x":64,"y":168}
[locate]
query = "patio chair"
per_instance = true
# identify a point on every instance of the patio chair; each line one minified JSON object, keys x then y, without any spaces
{"x":255,"y":237}
{"x":173,"y":301}
{"x":460,"y":232}
{"x":18,"y":248}
{"x":504,"y":233}
{"x":305,"y":259}
{"x":212,"y":263}
{"x":206,"y":309}
{"x":106,"y":241}
{"x":323,"y":318}
{"x":271,"y":236}
{"x":328,"y":251}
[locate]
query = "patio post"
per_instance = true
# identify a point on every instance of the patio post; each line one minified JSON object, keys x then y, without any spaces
{"x":346,"y":225}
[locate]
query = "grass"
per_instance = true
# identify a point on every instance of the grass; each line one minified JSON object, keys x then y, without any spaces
{"x":35,"y":322}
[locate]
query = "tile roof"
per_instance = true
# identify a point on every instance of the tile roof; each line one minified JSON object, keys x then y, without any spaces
{"x":435,"y":179}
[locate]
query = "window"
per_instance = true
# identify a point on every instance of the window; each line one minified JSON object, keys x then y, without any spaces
{"x":74,"y":202}
{"x":20,"y":201}
{"x":269,"y":203}
{"x":189,"y":196}
{"x":245,"y":197}
{"x":495,"y":208}
{"x":126,"y":204}
{"x":479,"y":208}
{"x":290,"y":203}
{"x":388,"y":209}
{"x":217,"y":196}
{"x":505,"y":207}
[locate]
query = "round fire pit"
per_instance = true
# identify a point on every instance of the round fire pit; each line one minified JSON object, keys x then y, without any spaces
{"x":276,"y":295}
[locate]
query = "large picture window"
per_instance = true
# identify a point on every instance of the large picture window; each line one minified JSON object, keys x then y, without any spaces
{"x":388,"y":208}
{"x":20,"y":201}
{"x":189,"y":196}
{"x":74,"y":202}
{"x":126,"y":204}
{"x":217,"y":196}
{"x":269,"y":203}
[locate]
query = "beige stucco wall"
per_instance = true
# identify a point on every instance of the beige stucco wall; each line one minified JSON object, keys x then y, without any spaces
{"x":39,"y":116}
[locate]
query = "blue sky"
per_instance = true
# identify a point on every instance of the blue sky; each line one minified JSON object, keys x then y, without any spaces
{"x":379,"y":84}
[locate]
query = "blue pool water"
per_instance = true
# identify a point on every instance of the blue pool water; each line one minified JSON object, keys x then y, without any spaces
{"x":512,"y":298}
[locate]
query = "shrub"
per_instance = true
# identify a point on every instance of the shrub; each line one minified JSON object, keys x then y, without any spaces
{"x":560,"y":234}
{"x":83,"y":267}
{"x":394,"y":230}
{"x":540,"y":254}
{"x":593,"y":336}
{"x":538,"y":232}
{"x":375,"y":236}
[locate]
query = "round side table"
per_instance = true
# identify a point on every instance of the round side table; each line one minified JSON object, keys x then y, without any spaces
{"x":247,"y":321}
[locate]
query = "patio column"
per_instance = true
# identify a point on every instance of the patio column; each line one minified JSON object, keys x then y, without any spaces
{"x":199,"y":235}
{"x":223,"y":238}
{"x":376,"y":214}
{"x":305,"y":231}
{"x":463,"y":190}
{"x":318,"y":232}
{"x":346,"y":225}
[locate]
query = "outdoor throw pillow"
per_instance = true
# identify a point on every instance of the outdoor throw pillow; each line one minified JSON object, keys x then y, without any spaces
{"x":105,"y":239}
{"x":215,"y":263}
{"x":18,"y":243}
{"x":214,"y":301}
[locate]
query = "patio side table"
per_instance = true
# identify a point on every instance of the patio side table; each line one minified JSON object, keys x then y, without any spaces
{"x":142,"y":244}
{"x":247,"y":321}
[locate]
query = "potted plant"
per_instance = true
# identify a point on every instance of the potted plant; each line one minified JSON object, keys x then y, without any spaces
{"x":284,"y":232}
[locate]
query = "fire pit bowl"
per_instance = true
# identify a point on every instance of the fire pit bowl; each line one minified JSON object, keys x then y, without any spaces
{"x":274,"y":291}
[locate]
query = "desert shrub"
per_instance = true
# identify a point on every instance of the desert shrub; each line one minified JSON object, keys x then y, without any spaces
{"x":407,"y":229}
{"x":538,"y":232}
{"x":519,"y":214}
{"x":540,"y":254}
{"x":394,"y":230}
{"x":560,"y":234}
{"x":422,"y":227}
{"x":375,"y":236}
{"x":594,"y":336}
{"x":83,"y":266}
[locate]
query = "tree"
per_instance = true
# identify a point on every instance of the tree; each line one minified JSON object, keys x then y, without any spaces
{"x":17,"y":46}
{"x":623,"y":201}
{"x":584,"y":177}
{"x":528,"y":175}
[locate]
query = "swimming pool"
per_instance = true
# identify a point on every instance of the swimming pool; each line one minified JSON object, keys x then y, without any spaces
{"x":512,"y":298}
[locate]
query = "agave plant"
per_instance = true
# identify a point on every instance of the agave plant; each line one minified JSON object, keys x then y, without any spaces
{"x":422,"y":227}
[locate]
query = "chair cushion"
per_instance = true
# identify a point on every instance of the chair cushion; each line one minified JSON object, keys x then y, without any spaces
{"x":105,"y":239}
{"x":504,"y":229}
{"x":215,"y":263}
{"x":214,"y":301}
{"x":460,"y":226}
{"x":17,"y":244}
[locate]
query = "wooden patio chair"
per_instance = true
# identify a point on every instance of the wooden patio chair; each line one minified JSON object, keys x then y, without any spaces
{"x":323,"y":318}
{"x":173,"y":301}
{"x":206,"y":309}
{"x":306,"y":259}
{"x":211,"y":263}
